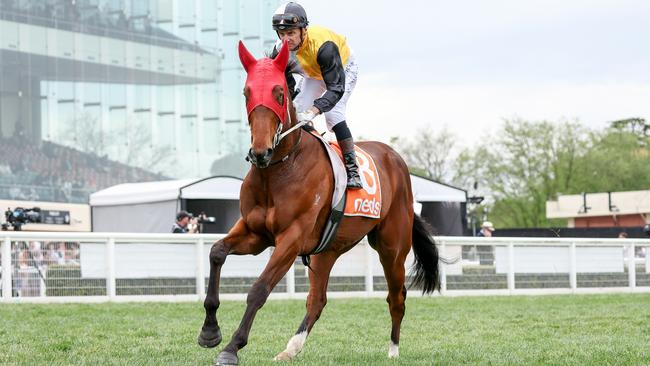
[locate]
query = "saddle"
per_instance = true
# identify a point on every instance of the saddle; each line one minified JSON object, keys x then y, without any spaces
{"x":354,"y":202}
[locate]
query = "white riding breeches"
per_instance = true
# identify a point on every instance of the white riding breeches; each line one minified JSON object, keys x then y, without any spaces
{"x":312,"y":89}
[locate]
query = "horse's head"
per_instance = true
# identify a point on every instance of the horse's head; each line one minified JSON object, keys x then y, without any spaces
{"x":267,"y":102}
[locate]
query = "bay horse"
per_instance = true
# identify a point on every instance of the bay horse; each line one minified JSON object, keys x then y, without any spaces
{"x":285,"y":202}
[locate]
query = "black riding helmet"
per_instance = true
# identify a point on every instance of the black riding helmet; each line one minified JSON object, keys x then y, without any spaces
{"x":290,"y":15}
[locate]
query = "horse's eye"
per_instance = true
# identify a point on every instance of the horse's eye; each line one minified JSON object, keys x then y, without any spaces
{"x":278,"y":94}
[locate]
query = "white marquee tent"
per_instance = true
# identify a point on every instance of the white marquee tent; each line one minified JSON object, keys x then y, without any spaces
{"x":443,"y":206}
{"x":151,"y":207}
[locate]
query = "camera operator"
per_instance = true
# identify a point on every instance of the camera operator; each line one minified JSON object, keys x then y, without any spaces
{"x":185,"y":223}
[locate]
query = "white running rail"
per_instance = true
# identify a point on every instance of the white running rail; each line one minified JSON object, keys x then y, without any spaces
{"x":99,"y":267}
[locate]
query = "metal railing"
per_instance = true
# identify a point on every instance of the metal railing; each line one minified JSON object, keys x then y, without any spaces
{"x":102,"y":26}
{"x":96,"y":267}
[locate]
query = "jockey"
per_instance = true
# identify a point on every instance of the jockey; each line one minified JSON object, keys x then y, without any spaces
{"x":329,"y":73}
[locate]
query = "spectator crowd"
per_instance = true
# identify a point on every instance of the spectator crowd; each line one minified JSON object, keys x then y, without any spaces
{"x":103,"y":19}
{"x":45,"y":171}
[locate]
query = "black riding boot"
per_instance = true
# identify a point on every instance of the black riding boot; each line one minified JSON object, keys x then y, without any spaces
{"x":350,"y":160}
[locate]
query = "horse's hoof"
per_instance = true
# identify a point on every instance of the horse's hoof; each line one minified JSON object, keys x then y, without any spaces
{"x":282,"y":356}
{"x":209,"y":339}
{"x":226,"y":358}
{"x":393,"y":350}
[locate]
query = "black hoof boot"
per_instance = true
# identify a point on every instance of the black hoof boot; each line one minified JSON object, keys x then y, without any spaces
{"x":226,"y":358}
{"x":209,"y":338}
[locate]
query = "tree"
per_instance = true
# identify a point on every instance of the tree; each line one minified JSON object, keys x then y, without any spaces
{"x":132,"y":146}
{"x":617,"y":160}
{"x":469,"y":169}
{"x":428,"y":152}
{"x":527,"y":164}
{"x":141,"y":152}
{"x":84,"y":132}
{"x":637,"y":126}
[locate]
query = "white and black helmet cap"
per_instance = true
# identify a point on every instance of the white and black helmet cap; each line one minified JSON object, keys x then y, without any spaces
{"x":290,"y":15}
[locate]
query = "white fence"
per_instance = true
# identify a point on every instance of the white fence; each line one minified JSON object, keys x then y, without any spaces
{"x":95,"y":267}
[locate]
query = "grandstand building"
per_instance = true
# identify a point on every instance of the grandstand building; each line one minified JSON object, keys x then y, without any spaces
{"x":627,"y":209}
{"x":99,"y":92}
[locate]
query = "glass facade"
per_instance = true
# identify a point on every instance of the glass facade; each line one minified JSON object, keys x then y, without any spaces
{"x":99,"y":92}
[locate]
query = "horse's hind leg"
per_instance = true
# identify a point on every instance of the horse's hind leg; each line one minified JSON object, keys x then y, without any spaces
{"x":321,"y":266}
{"x":393,"y":244}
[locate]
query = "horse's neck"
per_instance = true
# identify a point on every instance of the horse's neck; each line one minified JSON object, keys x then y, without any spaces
{"x":290,"y":184}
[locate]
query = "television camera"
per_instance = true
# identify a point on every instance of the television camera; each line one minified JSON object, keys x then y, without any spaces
{"x":16,"y":218}
{"x":204,"y":219}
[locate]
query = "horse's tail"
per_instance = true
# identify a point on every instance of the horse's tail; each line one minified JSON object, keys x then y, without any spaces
{"x":426,"y":257}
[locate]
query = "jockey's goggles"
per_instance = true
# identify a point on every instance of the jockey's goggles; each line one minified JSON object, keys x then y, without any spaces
{"x":290,"y":20}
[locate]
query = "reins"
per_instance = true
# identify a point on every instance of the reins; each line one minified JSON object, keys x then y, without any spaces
{"x":293,"y":149}
{"x":279,"y":135}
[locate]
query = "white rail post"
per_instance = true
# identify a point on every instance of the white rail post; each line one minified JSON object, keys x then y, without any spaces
{"x":631,"y":266}
{"x":110,"y":268}
{"x":369,"y":279}
{"x":42,"y":289}
{"x":6,"y":268}
{"x":200,"y":270}
{"x":443,"y":269}
{"x":511,"y":267}
{"x":573,"y":267}
{"x":291,"y":280}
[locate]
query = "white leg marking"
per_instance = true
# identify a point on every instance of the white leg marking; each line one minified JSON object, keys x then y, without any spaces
{"x":296,"y":343}
{"x":294,"y":346}
{"x":393,"y":350}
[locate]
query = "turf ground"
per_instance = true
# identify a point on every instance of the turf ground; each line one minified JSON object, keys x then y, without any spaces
{"x":542,"y":330}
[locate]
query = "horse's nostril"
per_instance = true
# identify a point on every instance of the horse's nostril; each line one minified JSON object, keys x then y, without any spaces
{"x":269,"y":152}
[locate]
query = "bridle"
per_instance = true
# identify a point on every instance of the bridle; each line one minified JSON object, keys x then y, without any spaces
{"x":278,"y":136}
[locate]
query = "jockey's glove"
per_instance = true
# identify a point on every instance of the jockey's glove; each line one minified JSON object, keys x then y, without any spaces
{"x":306,"y":116}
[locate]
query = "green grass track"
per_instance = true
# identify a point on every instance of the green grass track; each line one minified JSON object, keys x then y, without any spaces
{"x":520,"y":330}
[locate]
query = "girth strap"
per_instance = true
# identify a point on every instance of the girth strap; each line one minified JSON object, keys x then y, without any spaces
{"x":329,"y":232}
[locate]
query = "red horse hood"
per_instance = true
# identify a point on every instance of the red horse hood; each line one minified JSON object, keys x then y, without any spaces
{"x":263,"y":75}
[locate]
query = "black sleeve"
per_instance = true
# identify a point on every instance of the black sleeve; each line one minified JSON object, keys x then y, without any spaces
{"x":291,"y":82}
{"x":331,"y":67}
{"x":274,"y":53}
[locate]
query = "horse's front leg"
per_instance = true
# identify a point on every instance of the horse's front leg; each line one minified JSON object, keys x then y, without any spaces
{"x":321,"y":266}
{"x":287,"y":248}
{"x":240,"y":240}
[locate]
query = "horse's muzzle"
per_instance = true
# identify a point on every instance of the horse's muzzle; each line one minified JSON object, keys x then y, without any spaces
{"x":260,"y":160}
